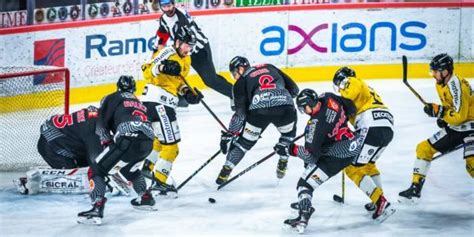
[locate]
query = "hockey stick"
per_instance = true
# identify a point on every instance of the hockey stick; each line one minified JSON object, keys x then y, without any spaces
{"x":253,"y":166}
{"x":337,"y":198}
{"x":206,"y":106}
{"x":405,"y":79}
{"x":199,"y":169}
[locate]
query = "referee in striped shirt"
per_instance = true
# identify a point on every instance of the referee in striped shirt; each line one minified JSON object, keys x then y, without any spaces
{"x":201,"y":56}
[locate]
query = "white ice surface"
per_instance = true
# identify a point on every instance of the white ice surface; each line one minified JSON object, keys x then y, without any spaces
{"x":256,"y":204}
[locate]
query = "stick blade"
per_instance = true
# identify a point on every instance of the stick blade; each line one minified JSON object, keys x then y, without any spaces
{"x":405,"y":68}
{"x":338,"y":198}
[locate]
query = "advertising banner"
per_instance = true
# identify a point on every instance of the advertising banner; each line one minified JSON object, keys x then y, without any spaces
{"x":99,"y":54}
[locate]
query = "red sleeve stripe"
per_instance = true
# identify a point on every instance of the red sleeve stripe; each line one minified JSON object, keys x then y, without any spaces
{"x":163,"y":37}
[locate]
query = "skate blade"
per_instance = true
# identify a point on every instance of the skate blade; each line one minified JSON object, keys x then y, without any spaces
{"x":89,"y":221}
{"x":386,"y":214}
{"x":409,"y":201}
{"x":145,"y":208}
{"x":294,"y":229}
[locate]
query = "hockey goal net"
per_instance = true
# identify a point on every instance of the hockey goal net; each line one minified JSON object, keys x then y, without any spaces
{"x":29,"y":95}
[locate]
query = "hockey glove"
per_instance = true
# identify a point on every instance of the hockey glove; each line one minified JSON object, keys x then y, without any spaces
{"x":170,"y":67}
{"x":281,"y":149}
{"x":434,"y":110}
{"x":227,"y":141}
{"x":191,"y":97}
{"x":441,"y":123}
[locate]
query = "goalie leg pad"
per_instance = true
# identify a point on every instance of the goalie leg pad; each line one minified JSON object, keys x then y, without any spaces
{"x":64,"y":181}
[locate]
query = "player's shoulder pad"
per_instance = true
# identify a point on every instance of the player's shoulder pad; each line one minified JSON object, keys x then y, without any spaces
{"x":165,"y":53}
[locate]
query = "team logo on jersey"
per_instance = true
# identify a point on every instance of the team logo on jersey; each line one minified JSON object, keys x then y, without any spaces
{"x":49,"y":52}
{"x":382,"y":115}
{"x":332,"y":104}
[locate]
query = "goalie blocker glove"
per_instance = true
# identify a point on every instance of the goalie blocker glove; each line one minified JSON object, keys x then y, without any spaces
{"x":170,"y":67}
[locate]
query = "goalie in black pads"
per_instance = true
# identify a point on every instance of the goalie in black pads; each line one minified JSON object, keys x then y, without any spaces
{"x":262,"y":95}
{"x":123,"y":127}
{"x":67,"y":143}
{"x":455,"y":117}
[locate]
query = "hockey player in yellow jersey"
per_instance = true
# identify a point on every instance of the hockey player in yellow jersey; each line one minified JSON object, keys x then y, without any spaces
{"x":165,"y":76}
{"x":374,"y":120}
{"x":455,"y":117}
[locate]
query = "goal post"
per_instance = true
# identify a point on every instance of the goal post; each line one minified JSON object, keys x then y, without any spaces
{"x":29,"y":95}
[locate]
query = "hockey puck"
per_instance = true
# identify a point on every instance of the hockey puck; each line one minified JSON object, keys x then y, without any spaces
{"x":212,"y":200}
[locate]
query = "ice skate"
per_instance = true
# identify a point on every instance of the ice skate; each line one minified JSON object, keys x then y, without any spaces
{"x":370,"y":207}
{"x":93,"y":216}
{"x":160,"y":189}
{"x":411,"y":195}
{"x":383,"y":210}
{"x":223,"y":175}
{"x":145,"y":202}
{"x":299,"y":223}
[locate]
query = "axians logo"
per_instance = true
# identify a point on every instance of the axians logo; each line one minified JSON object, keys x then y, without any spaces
{"x":350,"y":37}
{"x":49,"y":53}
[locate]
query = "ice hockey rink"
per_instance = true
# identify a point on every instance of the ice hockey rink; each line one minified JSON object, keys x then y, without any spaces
{"x":256,"y":204}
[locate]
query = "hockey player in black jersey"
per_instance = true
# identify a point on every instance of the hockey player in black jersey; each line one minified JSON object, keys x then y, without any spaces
{"x":201,"y":55}
{"x":68,"y":140}
{"x":262,"y":95}
{"x":329,"y":147}
{"x":123,"y":127}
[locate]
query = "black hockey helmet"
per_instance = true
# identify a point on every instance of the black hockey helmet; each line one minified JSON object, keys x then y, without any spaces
{"x":184,"y":34}
{"x":306,"y":97}
{"x":441,"y":62}
{"x":126,"y":84}
{"x":341,"y":74}
{"x":238,"y":61}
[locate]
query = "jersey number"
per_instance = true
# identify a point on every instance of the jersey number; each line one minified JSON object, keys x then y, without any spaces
{"x":344,"y":132}
{"x":61,"y":121}
{"x":266,"y":82}
{"x":141,"y":115}
{"x":377,"y":100}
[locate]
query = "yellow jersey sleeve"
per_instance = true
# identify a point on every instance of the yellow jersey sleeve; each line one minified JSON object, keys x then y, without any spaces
{"x":456,"y":97}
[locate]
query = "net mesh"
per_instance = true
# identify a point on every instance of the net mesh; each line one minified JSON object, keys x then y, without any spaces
{"x":28,"y":96}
